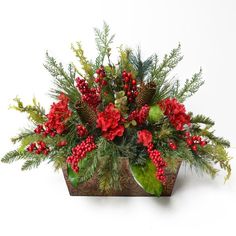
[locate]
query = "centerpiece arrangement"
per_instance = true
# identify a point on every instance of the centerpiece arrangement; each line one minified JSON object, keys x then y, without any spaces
{"x":119,"y":128}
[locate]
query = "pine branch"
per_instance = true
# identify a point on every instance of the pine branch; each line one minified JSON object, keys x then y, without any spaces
{"x":34,"y":162}
{"x":22,"y":135}
{"x":202,"y":119}
{"x":190,"y":87}
{"x":12,"y":156}
{"x":109,"y":165}
{"x":103,"y":42}
{"x":88,"y":166}
{"x":63,"y":81}
{"x":142,"y":67}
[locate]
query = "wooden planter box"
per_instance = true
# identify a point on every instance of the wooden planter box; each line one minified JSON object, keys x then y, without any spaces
{"x":129,"y":186}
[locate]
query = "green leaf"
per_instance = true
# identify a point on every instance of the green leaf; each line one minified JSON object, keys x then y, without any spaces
{"x":145,"y":176}
{"x":72,"y":176}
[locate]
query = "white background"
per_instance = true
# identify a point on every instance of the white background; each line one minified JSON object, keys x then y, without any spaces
{"x":37,"y":202}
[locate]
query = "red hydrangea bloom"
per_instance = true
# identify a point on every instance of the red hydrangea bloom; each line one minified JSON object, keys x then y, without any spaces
{"x":109,"y":122}
{"x":175,"y":112}
{"x":57,"y":116}
{"x":139,"y":115}
{"x":144,"y":137}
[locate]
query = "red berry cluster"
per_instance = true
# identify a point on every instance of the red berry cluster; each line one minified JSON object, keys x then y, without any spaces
{"x":62,"y":143}
{"x":101,"y":74}
{"x":172,"y":145}
{"x":130,"y":86}
{"x":194,"y":141}
{"x":176,"y":113}
{"x":139,"y":115}
{"x":81,"y":130}
{"x":158,"y":161}
{"x":89,"y":95}
{"x":39,"y":147}
{"x":57,"y":117}
{"x":79,"y":152}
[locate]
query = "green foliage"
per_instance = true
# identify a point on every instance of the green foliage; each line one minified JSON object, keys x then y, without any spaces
{"x":12,"y":156}
{"x":35,"y":112}
{"x":63,"y":81}
{"x":206,"y":132}
{"x":142,"y":67}
{"x":190,"y":87}
{"x":202,"y":120}
{"x":109,"y":166}
{"x":103,"y":41}
{"x":31,"y":160}
{"x":22,"y":135}
{"x":219,"y":155}
{"x":145,"y":175}
{"x":86,"y":65}
{"x":34,"y":162}
{"x":161,"y":70}
{"x":124,"y":60}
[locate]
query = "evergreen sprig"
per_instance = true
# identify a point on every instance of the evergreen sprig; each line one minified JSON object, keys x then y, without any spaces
{"x":103,"y":41}
{"x":109,"y":166}
{"x":141,"y":67}
{"x":190,"y":87}
{"x":64,"y":81}
{"x":160,"y":71}
{"x":202,"y":120}
{"x":12,"y":156}
{"x":36,"y":112}
{"x":86,"y":65}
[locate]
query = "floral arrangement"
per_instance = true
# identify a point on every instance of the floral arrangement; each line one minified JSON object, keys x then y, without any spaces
{"x":104,"y":112}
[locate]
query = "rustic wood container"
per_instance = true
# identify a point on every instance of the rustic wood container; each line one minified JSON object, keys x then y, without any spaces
{"x":128,"y":184}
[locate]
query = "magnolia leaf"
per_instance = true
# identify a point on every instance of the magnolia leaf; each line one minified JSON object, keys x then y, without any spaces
{"x":146,"y":178}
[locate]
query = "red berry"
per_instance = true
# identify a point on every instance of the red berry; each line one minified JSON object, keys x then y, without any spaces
{"x":97,"y":80}
{"x":187,"y":134}
{"x":104,"y":82}
{"x":189,"y":141}
{"x":194,"y":148}
{"x":126,"y":79}
{"x":126,"y":86}
{"x":124,"y":74}
{"x":133,"y":82}
{"x":203,"y":143}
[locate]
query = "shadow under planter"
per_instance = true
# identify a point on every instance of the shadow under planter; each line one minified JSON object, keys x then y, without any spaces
{"x":129,"y":185}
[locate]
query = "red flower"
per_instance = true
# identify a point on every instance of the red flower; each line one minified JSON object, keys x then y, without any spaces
{"x":176,"y":113}
{"x":58,"y":115}
{"x":109,"y":122}
{"x":144,"y":137}
{"x":139,"y":115}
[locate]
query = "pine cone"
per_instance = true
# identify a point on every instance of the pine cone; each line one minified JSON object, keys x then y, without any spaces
{"x":146,"y":93}
{"x":86,"y":113}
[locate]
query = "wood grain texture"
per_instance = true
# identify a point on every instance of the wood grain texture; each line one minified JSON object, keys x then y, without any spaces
{"x":128,"y":184}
